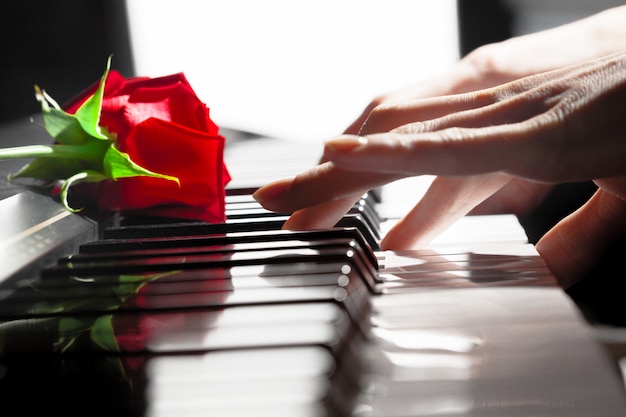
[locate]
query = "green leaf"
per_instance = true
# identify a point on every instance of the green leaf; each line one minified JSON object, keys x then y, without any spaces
{"x":74,"y":129}
{"x":46,"y":98}
{"x":49,"y":169}
{"x":52,"y":162}
{"x":85,"y":176}
{"x":130,"y":285}
{"x":88,"y":114}
{"x":70,"y":329}
{"x":103,"y":335}
{"x":118,"y":164}
{"x":63,"y":127}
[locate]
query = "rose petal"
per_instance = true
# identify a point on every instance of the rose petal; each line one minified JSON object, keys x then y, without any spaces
{"x":192,"y":156}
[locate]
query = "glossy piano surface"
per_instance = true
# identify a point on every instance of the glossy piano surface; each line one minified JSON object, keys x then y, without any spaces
{"x":170,"y":318}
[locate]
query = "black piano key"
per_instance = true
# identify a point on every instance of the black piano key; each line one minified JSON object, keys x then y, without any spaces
{"x":367,"y":205}
{"x":93,"y":294}
{"x":62,"y":289}
{"x":272,"y":238}
{"x":181,"y":283}
{"x":218,"y":260}
{"x":113,"y":257}
{"x":280,"y":275}
{"x":337,"y":250}
{"x":116,"y":256}
{"x":242,"y":212}
{"x":244,"y":206}
{"x":231,"y":226}
{"x":173,"y":262}
{"x":194,"y":228}
{"x":206,"y":243}
{"x":366,"y":215}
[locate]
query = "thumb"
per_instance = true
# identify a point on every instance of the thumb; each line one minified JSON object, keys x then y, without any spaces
{"x":571,"y":248}
{"x":446,"y":201}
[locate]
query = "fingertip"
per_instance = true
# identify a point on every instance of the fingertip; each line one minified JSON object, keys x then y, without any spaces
{"x":306,"y":219}
{"x":321,"y":216}
{"x":270,"y":196}
{"x":564,"y":266}
{"x":404,"y":237}
{"x":575,"y":244}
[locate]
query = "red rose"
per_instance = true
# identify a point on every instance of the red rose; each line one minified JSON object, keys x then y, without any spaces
{"x":163,"y":126}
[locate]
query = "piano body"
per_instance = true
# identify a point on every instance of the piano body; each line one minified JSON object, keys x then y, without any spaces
{"x":167,"y":318}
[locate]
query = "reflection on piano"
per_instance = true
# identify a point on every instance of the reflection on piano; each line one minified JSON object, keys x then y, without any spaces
{"x":141,"y":318}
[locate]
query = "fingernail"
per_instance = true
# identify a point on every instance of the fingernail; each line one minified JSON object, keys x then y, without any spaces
{"x":345,"y":144}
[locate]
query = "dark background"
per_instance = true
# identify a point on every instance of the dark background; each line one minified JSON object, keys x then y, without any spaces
{"x":60,"y":45}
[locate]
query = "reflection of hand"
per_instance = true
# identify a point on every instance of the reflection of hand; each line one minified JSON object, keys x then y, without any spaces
{"x":564,"y":125}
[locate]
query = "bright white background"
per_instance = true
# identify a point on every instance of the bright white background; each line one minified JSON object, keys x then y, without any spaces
{"x":299,"y":70}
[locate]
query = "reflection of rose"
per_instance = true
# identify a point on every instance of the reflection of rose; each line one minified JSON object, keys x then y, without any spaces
{"x":165,"y":128}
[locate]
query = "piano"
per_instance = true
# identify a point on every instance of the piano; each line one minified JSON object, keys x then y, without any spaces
{"x":136,"y":317}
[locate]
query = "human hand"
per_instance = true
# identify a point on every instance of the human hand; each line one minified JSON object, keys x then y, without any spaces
{"x":498,"y":63}
{"x":564,"y":125}
{"x":501,"y":62}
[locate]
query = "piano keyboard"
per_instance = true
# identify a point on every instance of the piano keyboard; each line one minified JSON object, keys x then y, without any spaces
{"x":243,"y":318}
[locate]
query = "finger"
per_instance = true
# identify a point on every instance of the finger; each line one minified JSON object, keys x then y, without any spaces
{"x":354,"y":128}
{"x":446,"y":200}
{"x":506,"y":103}
{"x":571,"y":248}
{"x":321,"y":216}
{"x":443,"y":85}
{"x":517,"y":197}
{"x":386,"y":117}
{"x":449,"y":152}
{"x":322,"y":183}
{"x":450,"y":85}
{"x":532,"y":150}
